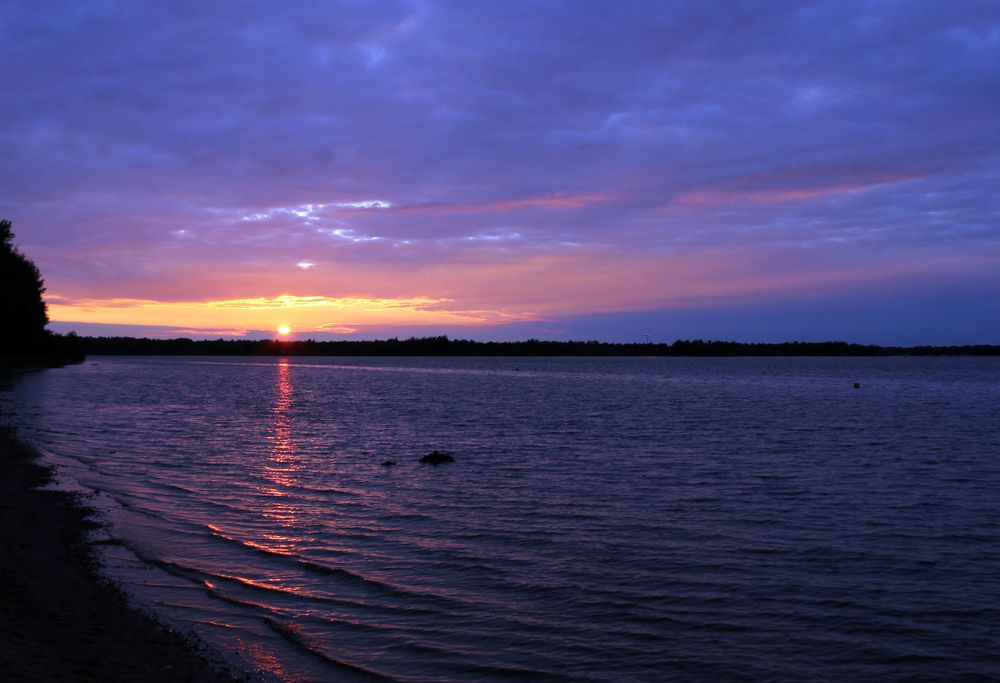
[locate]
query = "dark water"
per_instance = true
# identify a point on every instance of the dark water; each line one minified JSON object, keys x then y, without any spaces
{"x":606,"y":519}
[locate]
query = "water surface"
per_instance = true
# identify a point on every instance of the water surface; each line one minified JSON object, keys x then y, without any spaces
{"x":606,"y":519}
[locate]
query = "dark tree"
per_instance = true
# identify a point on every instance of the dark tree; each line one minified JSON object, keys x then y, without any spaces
{"x":22,"y":312}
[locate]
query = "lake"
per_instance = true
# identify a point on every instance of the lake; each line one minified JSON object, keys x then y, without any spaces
{"x":632,"y":519}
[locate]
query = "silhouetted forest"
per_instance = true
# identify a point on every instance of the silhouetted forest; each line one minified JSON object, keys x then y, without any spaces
{"x":23,"y":316}
{"x":443,"y":346}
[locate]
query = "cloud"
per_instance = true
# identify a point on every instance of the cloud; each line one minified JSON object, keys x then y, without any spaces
{"x":367,"y":204}
{"x":190,"y":153}
{"x":554,"y":201}
{"x":338,"y":328}
{"x":790,"y":190}
{"x":210,"y":332}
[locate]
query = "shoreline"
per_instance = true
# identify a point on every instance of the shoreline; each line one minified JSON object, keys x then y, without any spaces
{"x":59,"y":619}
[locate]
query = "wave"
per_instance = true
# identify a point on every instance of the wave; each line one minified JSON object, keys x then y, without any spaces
{"x":215,"y":592}
{"x":216,"y":532}
{"x":293,"y":635}
{"x":345,"y":575}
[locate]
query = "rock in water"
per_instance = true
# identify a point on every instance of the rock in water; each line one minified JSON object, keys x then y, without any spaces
{"x":388,"y":463}
{"x":436,"y":458}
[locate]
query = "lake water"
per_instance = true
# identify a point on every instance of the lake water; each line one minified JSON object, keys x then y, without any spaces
{"x":623,"y":519}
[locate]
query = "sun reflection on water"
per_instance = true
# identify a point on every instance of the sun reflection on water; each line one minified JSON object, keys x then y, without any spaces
{"x":281,"y":464}
{"x":263,"y":659}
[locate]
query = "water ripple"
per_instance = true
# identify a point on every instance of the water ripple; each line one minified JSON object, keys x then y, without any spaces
{"x":607,"y":519}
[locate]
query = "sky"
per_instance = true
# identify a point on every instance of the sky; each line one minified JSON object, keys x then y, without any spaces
{"x":751,"y":171}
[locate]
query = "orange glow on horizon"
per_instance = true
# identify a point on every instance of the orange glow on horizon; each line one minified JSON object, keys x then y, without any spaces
{"x":481,"y":293}
{"x":301,"y":313}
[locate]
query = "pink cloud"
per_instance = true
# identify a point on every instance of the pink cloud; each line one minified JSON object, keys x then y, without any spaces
{"x":744,"y":190}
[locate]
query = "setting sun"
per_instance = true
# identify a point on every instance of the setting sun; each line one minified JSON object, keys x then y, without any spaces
{"x":284,"y":329}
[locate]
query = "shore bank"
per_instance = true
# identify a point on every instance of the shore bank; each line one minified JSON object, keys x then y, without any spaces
{"x":58,"y":619}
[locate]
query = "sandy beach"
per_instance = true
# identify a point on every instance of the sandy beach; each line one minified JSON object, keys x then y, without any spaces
{"x":58,"y":619}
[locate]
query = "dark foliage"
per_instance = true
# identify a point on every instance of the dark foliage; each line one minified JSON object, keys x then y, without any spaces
{"x":23,"y":317}
{"x":22,"y":311}
{"x":443,"y":346}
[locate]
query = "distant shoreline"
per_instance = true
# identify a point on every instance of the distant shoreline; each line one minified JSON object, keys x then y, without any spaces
{"x":443,"y":346}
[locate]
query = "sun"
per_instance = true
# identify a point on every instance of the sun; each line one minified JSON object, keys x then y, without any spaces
{"x":284,"y":329}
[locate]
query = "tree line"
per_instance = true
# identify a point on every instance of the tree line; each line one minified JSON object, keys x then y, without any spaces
{"x":24,"y":339}
{"x":444,"y":346}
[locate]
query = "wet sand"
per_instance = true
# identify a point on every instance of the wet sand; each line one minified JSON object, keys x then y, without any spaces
{"x":58,"y":619}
